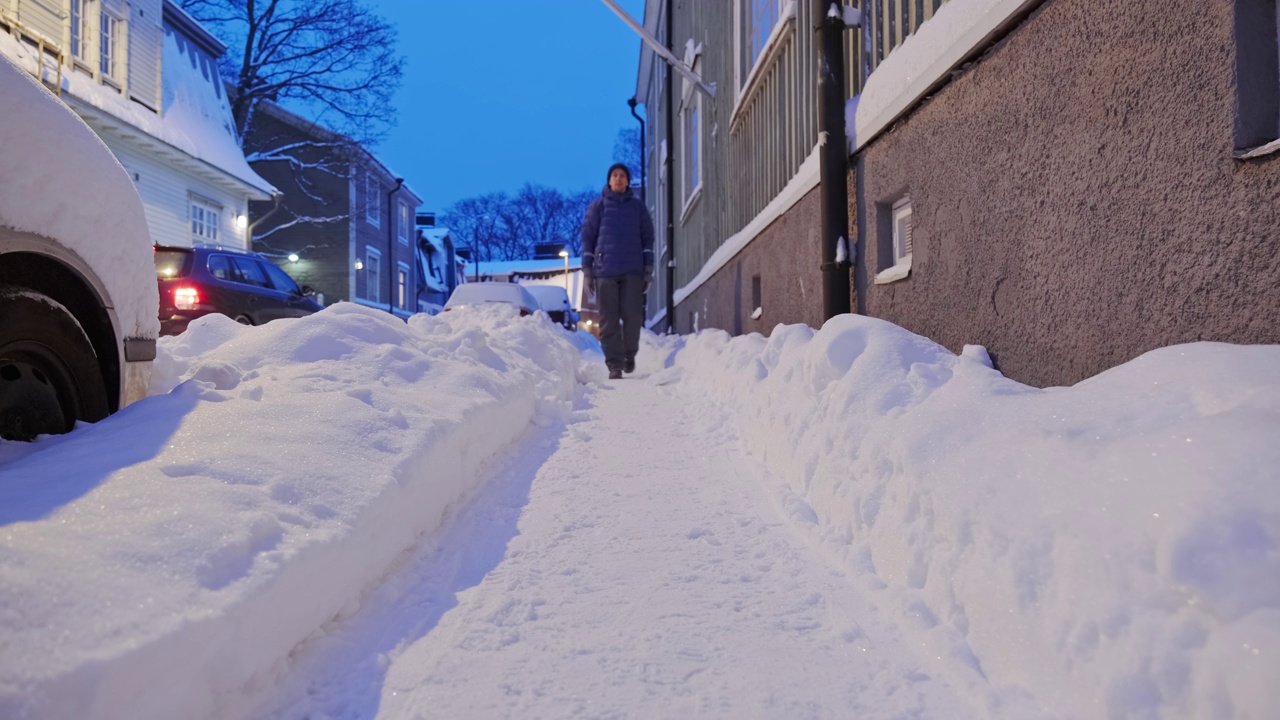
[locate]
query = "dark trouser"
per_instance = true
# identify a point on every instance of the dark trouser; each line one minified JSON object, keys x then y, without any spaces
{"x":621,"y":301}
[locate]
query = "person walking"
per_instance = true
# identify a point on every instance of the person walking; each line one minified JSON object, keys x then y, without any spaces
{"x":617,"y":265}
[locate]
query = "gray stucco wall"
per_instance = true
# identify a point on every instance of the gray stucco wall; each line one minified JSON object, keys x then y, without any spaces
{"x":786,"y":257}
{"x":1076,"y":201}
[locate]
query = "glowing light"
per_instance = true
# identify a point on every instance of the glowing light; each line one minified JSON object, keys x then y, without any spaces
{"x":242,"y":221}
{"x":293,"y":257}
{"x":359,"y":265}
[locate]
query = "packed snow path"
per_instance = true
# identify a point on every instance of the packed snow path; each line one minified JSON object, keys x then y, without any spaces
{"x":633,"y":567}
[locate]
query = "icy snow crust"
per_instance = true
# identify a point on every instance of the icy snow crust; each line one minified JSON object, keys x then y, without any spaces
{"x":1100,"y":551}
{"x":275,"y":474}
{"x":1106,"y":550}
{"x":61,"y":182}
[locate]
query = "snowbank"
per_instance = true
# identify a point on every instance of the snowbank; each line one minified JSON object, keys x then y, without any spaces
{"x":164,"y":563}
{"x":1106,"y":550}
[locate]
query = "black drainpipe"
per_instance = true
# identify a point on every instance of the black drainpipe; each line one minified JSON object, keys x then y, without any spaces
{"x":671,"y":199}
{"x":833,"y":161}
{"x":394,"y":270}
{"x":632,"y":104}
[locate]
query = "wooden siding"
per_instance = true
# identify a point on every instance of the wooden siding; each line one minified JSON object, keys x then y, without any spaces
{"x":146,"y":38}
{"x":166,"y":193}
{"x":45,"y":18}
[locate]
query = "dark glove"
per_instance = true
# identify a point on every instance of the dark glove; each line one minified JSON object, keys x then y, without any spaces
{"x":648,"y":279}
{"x":589,"y":282}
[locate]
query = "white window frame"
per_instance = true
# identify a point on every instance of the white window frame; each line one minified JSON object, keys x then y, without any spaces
{"x":372,"y":274}
{"x":204,"y":220}
{"x":405,"y":223}
{"x":373,"y":200}
{"x":109,"y":29}
{"x":80,"y":12}
{"x":691,"y":142}
{"x":402,"y":286}
{"x":902,"y":222}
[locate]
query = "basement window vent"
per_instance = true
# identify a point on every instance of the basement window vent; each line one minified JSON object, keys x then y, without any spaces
{"x":900,"y":243}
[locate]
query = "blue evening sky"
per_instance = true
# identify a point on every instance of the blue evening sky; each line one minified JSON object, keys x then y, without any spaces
{"x":499,"y":94}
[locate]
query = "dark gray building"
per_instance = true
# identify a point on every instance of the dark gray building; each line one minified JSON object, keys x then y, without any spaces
{"x":348,"y":220}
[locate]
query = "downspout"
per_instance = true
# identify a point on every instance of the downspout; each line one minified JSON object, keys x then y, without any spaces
{"x":833,"y":157}
{"x":393,"y":269}
{"x":632,"y":104}
{"x":248,"y":231}
{"x":671,"y":197}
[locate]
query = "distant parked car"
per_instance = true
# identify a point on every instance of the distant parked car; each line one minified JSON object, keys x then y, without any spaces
{"x":554,"y":301}
{"x":481,"y":293}
{"x":77,"y":307}
{"x":244,"y":286}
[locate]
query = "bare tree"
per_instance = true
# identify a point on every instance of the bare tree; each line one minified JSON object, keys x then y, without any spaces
{"x":335,"y":58}
{"x":500,"y":227}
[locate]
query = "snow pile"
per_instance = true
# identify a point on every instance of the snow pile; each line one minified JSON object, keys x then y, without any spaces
{"x":166,"y":562}
{"x":1106,"y":550}
{"x":61,"y":182}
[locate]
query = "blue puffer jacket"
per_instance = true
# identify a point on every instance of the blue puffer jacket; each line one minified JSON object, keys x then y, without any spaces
{"x":617,"y":235}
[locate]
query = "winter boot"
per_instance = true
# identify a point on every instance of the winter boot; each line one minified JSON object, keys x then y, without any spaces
{"x":630,"y":367}
{"x":615,"y":374}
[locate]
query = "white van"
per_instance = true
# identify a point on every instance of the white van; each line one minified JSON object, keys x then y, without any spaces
{"x":78,"y":301}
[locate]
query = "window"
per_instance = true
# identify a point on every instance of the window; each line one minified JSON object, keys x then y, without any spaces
{"x":756,"y":22}
{"x":280,"y":279}
{"x":691,"y":140}
{"x":79,"y":30}
{"x":899,"y":246}
{"x":372,"y":200}
{"x":249,"y":272}
{"x":204,"y":221}
{"x":108,"y":42}
{"x":373,"y":275}
{"x":1257,"y":123}
{"x":402,"y":287}
{"x":403,"y":229}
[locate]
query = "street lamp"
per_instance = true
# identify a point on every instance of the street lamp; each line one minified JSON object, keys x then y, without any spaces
{"x":565,"y":254}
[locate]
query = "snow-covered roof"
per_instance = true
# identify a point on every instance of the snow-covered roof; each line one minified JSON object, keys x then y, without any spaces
{"x":509,"y":267}
{"x":435,"y":237}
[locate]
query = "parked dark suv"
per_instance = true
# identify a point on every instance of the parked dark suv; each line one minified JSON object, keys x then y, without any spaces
{"x":244,"y":286}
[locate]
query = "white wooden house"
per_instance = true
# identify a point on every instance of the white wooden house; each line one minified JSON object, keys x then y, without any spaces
{"x":143,"y":74}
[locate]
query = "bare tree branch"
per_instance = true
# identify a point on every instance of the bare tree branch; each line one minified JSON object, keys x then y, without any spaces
{"x":332,"y":58}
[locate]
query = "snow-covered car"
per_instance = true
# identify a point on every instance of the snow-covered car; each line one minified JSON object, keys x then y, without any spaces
{"x":78,"y":300}
{"x":481,"y":293}
{"x":554,"y":301}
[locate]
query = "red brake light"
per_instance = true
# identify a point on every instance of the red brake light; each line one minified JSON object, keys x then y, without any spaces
{"x":524,"y":312}
{"x":186,"y":297}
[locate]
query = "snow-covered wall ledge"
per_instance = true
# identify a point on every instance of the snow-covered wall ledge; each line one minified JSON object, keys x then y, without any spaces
{"x":941,"y":44}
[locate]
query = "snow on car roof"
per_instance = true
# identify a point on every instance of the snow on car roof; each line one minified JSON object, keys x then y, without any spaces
{"x":64,"y":184}
{"x":549,"y":297}
{"x":491,"y":292}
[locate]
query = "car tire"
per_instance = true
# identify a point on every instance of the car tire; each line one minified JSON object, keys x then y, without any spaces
{"x":49,"y":374}
{"x":244,"y":320}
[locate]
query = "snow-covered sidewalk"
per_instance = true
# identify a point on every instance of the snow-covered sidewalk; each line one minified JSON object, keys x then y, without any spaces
{"x":347,"y":515}
{"x":647,"y":575}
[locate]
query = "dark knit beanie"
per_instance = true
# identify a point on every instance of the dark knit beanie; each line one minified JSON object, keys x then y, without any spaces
{"x":618,"y":166}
